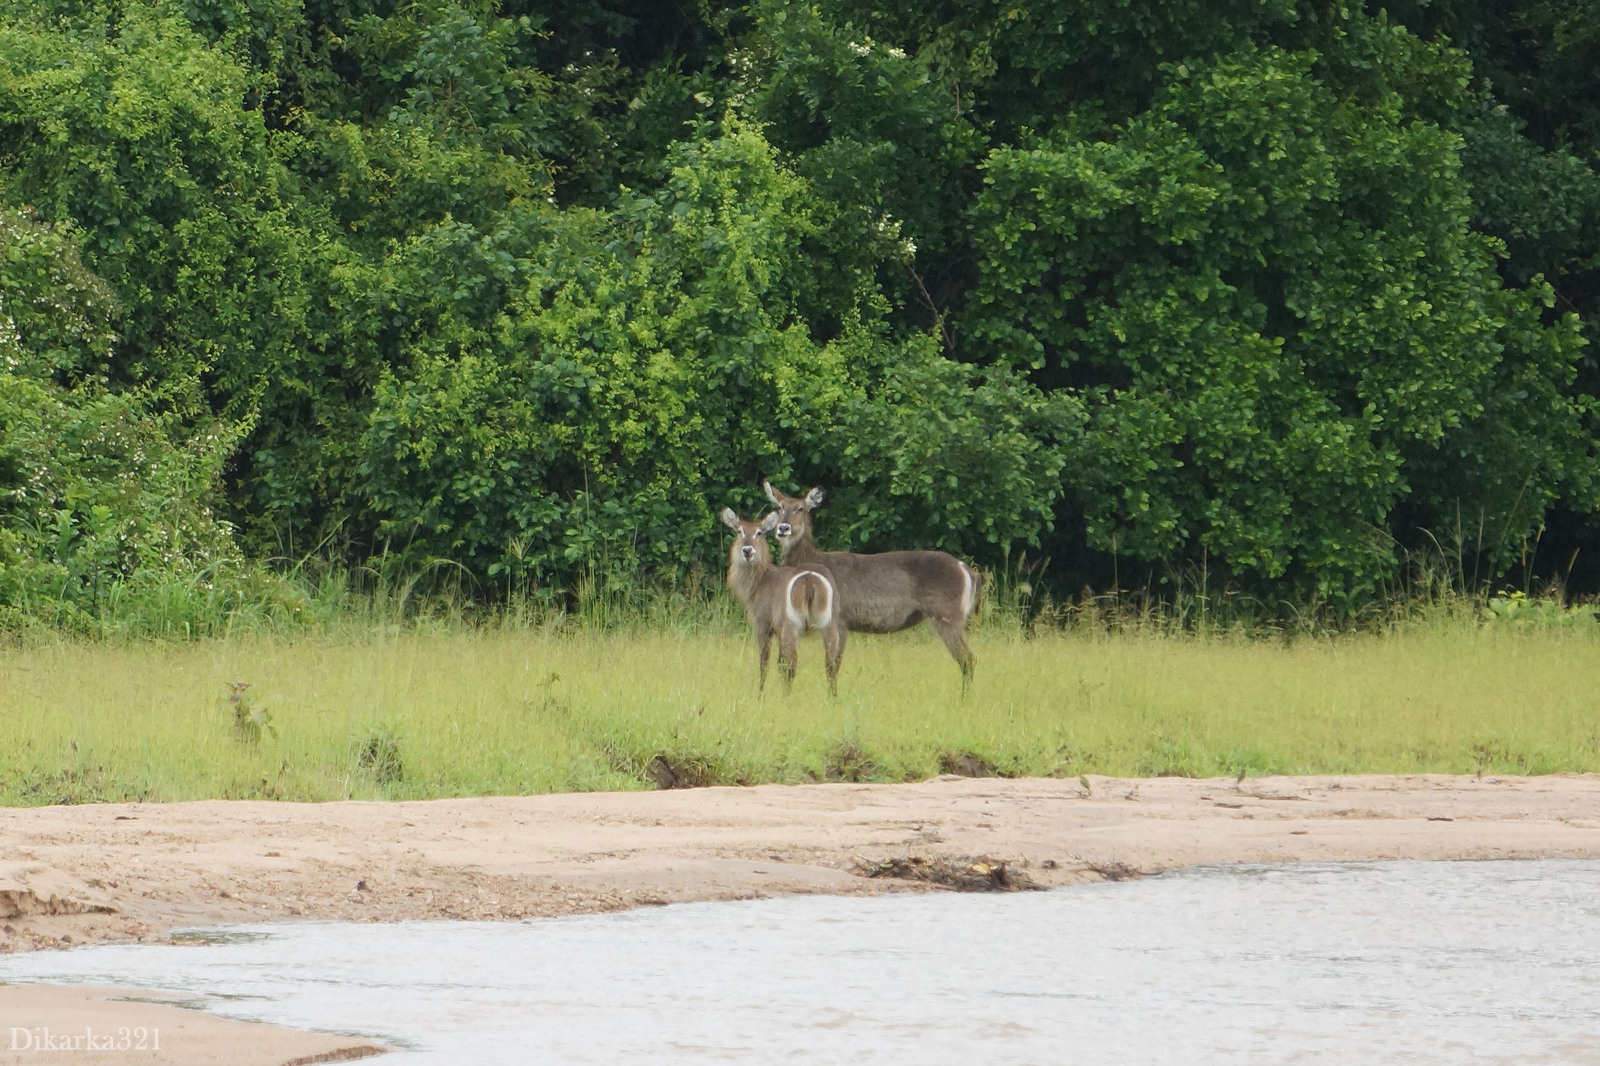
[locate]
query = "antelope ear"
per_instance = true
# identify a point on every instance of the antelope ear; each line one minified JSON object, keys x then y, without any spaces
{"x":730,"y":519}
{"x":769,"y":523}
{"x":772,"y":493}
{"x":813,"y":499}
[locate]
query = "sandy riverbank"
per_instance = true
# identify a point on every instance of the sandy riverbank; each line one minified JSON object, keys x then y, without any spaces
{"x":103,"y":1026}
{"x":77,"y":875}
{"x":74,"y":875}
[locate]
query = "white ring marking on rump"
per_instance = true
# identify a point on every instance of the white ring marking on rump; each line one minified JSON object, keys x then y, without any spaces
{"x":795,"y":617}
{"x":825,"y":617}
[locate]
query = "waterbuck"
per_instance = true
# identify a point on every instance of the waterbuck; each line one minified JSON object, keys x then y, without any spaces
{"x":887,"y":591}
{"x":785,"y":599}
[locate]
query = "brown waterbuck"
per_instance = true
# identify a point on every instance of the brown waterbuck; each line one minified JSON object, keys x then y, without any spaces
{"x":787,"y":600}
{"x":887,"y":591}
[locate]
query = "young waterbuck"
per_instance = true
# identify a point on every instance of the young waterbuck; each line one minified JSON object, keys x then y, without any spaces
{"x":888,"y":591}
{"x":785,"y":599}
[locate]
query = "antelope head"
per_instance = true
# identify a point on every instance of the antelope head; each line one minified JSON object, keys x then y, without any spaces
{"x":792,"y":519}
{"x":749,"y":539}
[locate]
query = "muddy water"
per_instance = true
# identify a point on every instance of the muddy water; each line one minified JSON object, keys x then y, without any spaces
{"x":1382,"y":963}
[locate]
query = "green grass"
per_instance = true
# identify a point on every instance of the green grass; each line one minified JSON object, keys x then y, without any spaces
{"x":386,"y":712}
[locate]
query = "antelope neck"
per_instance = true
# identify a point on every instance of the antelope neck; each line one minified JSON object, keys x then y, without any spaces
{"x":745,"y":574}
{"x":797,"y":550}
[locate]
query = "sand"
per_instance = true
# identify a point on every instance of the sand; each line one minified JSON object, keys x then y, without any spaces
{"x":101,"y":1026}
{"x":115,"y":872}
{"x":74,"y":875}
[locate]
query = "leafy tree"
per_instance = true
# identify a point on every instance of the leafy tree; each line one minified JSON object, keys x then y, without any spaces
{"x":97,"y":488}
{"x":1272,"y":300}
{"x":653,"y":366}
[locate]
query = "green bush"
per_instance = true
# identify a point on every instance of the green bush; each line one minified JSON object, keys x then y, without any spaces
{"x":652,"y":367}
{"x":102,"y":493}
{"x":1269,"y":298}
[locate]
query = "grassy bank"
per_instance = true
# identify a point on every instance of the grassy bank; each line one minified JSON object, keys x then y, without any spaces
{"x":385,"y":714}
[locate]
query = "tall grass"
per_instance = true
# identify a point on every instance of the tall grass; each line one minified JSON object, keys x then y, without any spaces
{"x":393,"y":593}
{"x":540,"y":703}
{"x":315,"y":596}
{"x":376,"y":682}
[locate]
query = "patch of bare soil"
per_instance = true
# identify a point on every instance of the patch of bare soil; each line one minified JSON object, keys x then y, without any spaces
{"x":982,"y":874}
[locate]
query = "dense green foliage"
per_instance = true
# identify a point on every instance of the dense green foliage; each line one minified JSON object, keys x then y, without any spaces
{"x":101,"y":491}
{"x":536,"y":288}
